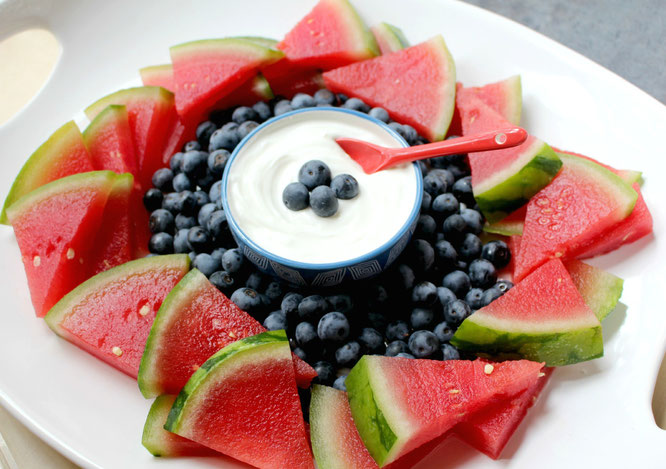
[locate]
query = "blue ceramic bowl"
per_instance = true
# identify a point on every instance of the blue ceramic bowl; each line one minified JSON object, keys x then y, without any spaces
{"x":332,"y":273}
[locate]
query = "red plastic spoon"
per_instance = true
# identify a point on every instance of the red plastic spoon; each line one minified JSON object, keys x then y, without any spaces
{"x":373,"y":158}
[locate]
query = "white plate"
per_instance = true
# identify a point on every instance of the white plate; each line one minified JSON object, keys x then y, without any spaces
{"x":596,"y":413}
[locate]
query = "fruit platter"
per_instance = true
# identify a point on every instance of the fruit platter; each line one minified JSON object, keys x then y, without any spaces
{"x":249,"y":296}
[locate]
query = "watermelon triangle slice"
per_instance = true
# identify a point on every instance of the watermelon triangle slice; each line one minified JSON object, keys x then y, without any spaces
{"x":63,"y":154}
{"x":389,"y":38}
{"x":54,"y":226}
{"x":542,"y":318}
{"x":331,"y":35}
{"x":109,"y":140}
{"x":158,"y":75}
{"x":110,"y":314}
{"x":398,"y":404}
{"x":195,"y":321}
{"x":505,"y":97}
{"x":601,"y":290}
{"x":580,"y":205}
{"x":415,"y":85}
{"x":243,"y":402}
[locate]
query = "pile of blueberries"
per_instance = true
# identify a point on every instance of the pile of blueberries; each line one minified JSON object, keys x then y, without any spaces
{"x":412,"y":310}
{"x":316,"y":189}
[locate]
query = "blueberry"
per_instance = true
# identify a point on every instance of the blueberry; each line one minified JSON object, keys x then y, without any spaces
{"x":206,"y":264}
{"x":356,"y":104}
{"x":289,"y":304}
{"x":198,"y":239}
{"x":434,"y":184}
{"x":342,"y":98}
{"x":504,"y":285}
{"x":232,"y":260}
{"x":215,"y":193}
{"x":456,"y":312}
{"x":223,"y":281}
{"x":426,"y":202}
{"x":446,"y":254}
{"x":376,"y":295}
{"x":372,"y":340}
{"x":445,"y":296}
{"x":443,"y":331}
{"x":152,"y":199}
{"x":184,"y":222}
{"x":314,"y":173}
{"x":176,"y":162}
{"x":376,"y":320}
{"x":296,"y":196}
{"x":422,"y":255}
{"x":312,"y":307}
{"x":282,"y":107}
{"x":474,"y":298}
{"x":325,"y":373}
{"x":397,"y":330}
{"x":218,"y":253}
{"x":497,"y":252}
{"x":444,"y":175}
{"x":323,"y":201}
{"x":426,"y":227}
{"x":170,"y":201}
{"x":299,"y":352}
{"x":445,"y":205}
{"x":470,"y":248}
{"x":244,"y":113}
{"x":161,"y":243}
{"x":276,"y":321}
{"x":398,"y":128}
{"x":424,"y":294}
{"x":246,"y":127}
{"x":473,"y":219}
{"x":306,"y":335}
{"x":348,"y":354}
{"x":458,"y":282}
{"x":205,"y":213}
{"x":206,"y":182}
{"x":396,"y":347}
{"x":191,"y":255}
{"x":226,"y":139}
{"x":246,"y":299}
{"x":185,"y":203}
{"x":202,"y":198}
{"x":162,"y":179}
{"x":410,"y":134}
{"x":217,"y":160}
{"x":161,"y":221}
{"x":406,"y":355}
{"x":191,"y":145}
{"x":217,"y":224}
{"x":255,"y":281}
{"x":454,"y":227}
{"x":204,"y":131}
{"x":324,"y":97}
{"x":482,"y":273}
{"x":462,"y":189}
{"x":345,"y":186}
{"x":273,"y":291}
{"x":180,"y":243}
{"x":333,"y":327}
{"x":449,"y":352}
{"x":194,"y":163}
{"x":339,"y":383}
{"x":459,"y":170}
{"x":491,"y":295}
{"x":423,"y":344}
{"x":404,"y":277}
{"x":380,"y":113}
{"x":421,"y":318}
{"x":342,"y":303}
{"x":302,"y":100}
{"x":263,"y":110}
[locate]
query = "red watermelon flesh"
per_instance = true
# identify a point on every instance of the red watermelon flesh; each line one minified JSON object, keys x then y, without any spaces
{"x":255,"y":89}
{"x":113,"y":243}
{"x":195,"y":321}
{"x":580,"y":205}
{"x":287,"y":79}
{"x":331,"y":35}
{"x":109,"y":141}
{"x":151,"y":113}
{"x":177,"y":136}
{"x":110,"y":314}
{"x":139,"y":217}
{"x":55,"y":226}
{"x":63,"y":154}
{"x":415,"y":85}
{"x":505,"y":97}
{"x":490,"y":429}
{"x":158,"y":75}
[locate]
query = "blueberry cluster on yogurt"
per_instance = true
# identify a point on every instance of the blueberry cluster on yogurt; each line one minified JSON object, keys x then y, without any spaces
{"x":317,"y":190}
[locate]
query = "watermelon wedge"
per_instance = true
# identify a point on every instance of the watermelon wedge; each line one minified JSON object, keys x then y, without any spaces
{"x":63,"y":154}
{"x":415,"y":85}
{"x":54,"y":226}
{"x":158,"y":75}
{"x":504,"y":180}
{"x":331,"y":35}
{"x":511,"y":225}
{"x":194,"y":321}
{"x":151,"y":115}
{"x":543,"y":317}
{"x":110,"y":314}
{"x":243,"y":402}
{"x":580,"y":205}
{"x":389,"y":38}
{"x":113,"y":242}
{"x":160,"y":442}
{"x":255,"y":89}
{"x":139,"y":217}
{"x":109,"y":141}
{"x":398,"y":404}
{"x":505,"y":97}
{"x":601,"y":290}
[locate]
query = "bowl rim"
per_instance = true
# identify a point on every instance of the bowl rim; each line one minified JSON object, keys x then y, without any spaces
{"x":245,"y":239}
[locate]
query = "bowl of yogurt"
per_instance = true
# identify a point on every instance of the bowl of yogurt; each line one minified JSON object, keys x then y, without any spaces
{"x":365,"y":235}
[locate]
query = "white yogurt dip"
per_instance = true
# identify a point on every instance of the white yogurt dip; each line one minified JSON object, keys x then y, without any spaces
{"x":271,"y":159}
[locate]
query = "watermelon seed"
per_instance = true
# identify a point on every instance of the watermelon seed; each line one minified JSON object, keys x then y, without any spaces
{"x":36,"y":261}
{"x":454,"y":391}
{"x":558,"y":254}
{"x":310,"y":20}
{"x":117,"y":351}
{"x":232,"y":335}
{"x":144,"y":310}
{"x":70,"y":253}
{"x":541,"y":375}
{"x":488,"y":368}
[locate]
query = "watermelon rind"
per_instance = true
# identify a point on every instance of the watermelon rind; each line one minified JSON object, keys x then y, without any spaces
{"x":249,"y":47}
{"x":505,"y":228}
{"x":601,"y":290}
{"x":389,"y":38}
{"x":125,"y":96}
{"x":38,"y":170}
{"x":247,"y":352}
{"x":262,"y":41}
{"x":158,"y":75}
{"x":513,"y":91}
{"x":509,"y":189}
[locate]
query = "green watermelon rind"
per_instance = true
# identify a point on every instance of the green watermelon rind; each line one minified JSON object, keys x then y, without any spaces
{"x":602,"y":290}
{"x":355,"y":23}
{"x":247,"y":47}
{"x":508,"y":190}
{"x":59,"y":311}
{"x":111,"y":112}
{"x":262,"y":41}
{"x":513,"y":89}
{"x":556,"y":348}
{"x":262,"y":87}
{"x":151,"y":439}
{"x":125,"y":96}
{"x":37,"y":165}
{"x":505,"y":228}
{"x":249,"y":351}
{"x":322,"y":416}
{"x":391,"y":34}
{"x":448,"y":91}
{"x":179,"y":296}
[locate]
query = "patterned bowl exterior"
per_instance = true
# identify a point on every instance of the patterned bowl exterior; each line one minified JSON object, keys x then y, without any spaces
{"x":329,"y":274}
